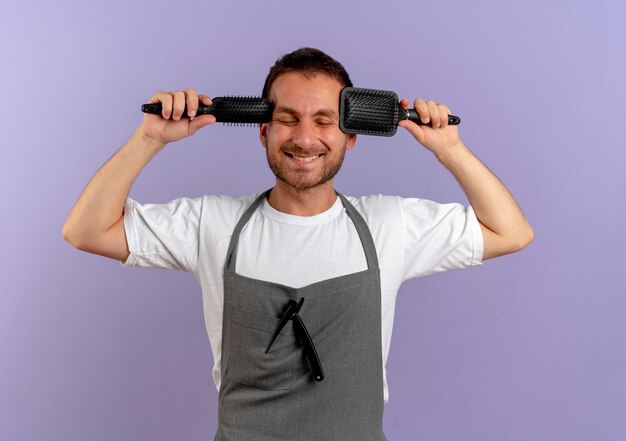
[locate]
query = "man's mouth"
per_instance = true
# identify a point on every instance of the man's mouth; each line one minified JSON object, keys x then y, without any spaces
{"x":303,"y":158}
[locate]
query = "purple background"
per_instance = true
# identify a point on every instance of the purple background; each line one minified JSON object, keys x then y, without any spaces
{"x":529,"y":346}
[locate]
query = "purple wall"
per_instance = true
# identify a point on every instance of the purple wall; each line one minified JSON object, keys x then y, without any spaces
{"x":528,"y":347}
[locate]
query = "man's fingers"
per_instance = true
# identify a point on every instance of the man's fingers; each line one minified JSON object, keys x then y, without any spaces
{"x":178,"y":106}
{"x":191,"y":99}
{"x":434,"y":114}
{"x":431,"y":112}
{"x":422,"y":110}
{"x":205,"y":100}
{"x":199,"y":122}
{"x":166,"y":103}
{"x":414,"y":129}
{"x":173,"y":104}
{"x":443,"y":114}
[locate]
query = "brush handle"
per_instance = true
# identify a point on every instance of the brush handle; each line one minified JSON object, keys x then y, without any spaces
{"x":412,"y":115}
{"x":246,"y":110}
{"x":157,"y":108}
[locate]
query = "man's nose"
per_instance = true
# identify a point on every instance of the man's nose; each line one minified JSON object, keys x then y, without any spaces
{"x":305,"y":134}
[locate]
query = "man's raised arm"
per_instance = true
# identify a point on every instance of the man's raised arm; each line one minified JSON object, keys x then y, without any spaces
{"x":96,"y":223}
{"x":505,"y":228}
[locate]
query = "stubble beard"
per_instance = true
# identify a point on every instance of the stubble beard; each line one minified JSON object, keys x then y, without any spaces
{"x":328,"y":172}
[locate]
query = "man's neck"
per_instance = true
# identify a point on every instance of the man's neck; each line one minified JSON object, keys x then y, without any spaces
{"x":308,"y":202}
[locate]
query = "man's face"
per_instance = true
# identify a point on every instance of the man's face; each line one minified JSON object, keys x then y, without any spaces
{"x":305,"y":147}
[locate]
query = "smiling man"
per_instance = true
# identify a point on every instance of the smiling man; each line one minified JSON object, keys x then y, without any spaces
{"x":299,"y":282}
{"x":305,"y":148}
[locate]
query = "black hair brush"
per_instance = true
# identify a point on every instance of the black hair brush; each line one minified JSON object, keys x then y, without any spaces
{"x":375,"y":112}
{"x":228,"y":109}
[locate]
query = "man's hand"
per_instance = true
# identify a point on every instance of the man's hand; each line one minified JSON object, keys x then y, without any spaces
{"x":169,"y":126}
{"x":438,"y":138}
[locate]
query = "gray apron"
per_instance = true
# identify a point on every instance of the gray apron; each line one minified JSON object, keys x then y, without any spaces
{"x":269,"y":395}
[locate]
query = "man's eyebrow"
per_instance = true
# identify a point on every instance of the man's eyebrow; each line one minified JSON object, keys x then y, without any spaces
{"x":323,"y":112}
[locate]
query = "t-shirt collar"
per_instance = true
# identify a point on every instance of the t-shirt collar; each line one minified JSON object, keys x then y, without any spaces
{"x":267,"y":210}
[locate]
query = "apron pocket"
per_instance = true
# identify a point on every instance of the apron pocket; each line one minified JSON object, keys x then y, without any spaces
{"x":248,"y":363}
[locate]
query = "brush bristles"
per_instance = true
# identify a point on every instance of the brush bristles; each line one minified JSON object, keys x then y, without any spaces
{"x":242,"y":110}
{"x":369,"y":111}
{"x":237,"y":124}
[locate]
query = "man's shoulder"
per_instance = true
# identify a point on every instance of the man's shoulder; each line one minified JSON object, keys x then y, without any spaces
{"x":229,"y":202}
{"x":387,"y":207}
{"x":375,"y":202}
{"x":377,"y":207}
{"x":228,"y":208}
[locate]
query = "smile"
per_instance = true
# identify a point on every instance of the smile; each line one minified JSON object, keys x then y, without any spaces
{"x":303,"y":158}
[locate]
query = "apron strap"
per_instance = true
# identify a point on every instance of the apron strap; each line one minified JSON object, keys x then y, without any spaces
{"x":231,"y":255}
{"x":359,"y":223}
{"x":364,"y":232}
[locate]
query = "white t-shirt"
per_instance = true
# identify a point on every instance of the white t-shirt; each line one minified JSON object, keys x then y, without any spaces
{"x":413,"y":238}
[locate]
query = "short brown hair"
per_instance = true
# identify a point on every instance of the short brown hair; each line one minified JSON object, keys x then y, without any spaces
{"x":309,"y":61}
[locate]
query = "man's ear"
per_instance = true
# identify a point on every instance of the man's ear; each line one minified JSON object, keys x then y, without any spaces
{"x":263,"y":134}
{"x":351,"y":141}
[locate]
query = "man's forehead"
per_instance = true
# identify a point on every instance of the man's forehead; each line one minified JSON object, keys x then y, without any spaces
{"x":300,"y":84}
{"x":294,"y":89}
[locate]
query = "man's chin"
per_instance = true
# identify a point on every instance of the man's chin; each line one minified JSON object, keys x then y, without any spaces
{"x":304,"y":179}
{"x":300,"y":186}
{"x":303,"y":184}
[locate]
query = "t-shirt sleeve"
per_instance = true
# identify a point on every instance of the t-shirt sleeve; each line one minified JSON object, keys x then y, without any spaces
{"x":439,"y":237}
{"x":163,"y":235}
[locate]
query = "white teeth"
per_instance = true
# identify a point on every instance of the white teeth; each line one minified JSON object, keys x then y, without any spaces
{"x":306,"y":159}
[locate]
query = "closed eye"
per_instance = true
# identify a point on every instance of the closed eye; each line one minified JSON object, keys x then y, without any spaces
{"x":286,"y":121}
{"x":325,"y":122}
